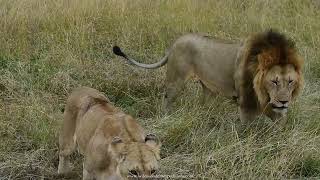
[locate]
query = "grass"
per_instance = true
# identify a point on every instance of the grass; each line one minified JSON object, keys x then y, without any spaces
{"x":49,"y":47}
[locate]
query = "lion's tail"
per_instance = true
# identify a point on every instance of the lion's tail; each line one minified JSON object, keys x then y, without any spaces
{"x":163,"y":61}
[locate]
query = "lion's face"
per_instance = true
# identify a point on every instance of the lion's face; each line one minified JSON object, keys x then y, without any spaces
{"x":280,"y":82}
{"x":138,"y":159}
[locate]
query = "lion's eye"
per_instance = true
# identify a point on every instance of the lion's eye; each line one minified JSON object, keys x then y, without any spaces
{"x":274,"y":82}
{"x":290,"y":82}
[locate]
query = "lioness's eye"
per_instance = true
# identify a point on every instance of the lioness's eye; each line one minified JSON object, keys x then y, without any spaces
{"x":133,"y":172}
{"x":153,"y":171}
{"x":274,"y":82}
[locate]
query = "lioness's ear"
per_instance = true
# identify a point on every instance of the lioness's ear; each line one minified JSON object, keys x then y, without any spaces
{"x":153,"y":142}
{"x":117,"y":147}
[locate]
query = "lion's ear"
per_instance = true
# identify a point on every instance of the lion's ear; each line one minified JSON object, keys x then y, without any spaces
{"x":265,"y":60}
{"x":117,"y":147}
{"x":299,"y":87}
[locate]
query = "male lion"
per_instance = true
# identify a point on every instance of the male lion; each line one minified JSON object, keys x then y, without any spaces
{"x":114,"y":145}
{"x":264,"y":73}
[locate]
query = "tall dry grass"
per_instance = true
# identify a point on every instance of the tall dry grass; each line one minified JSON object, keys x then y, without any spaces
{"x":49,"y":47}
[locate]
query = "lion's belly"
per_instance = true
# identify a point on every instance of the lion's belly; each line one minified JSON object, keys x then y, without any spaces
{"x":222,"y":83}
{"x":216,"y":69}
{"x":216,"y":85}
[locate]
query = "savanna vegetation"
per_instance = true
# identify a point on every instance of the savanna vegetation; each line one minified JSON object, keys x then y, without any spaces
{"x":49,"y":47}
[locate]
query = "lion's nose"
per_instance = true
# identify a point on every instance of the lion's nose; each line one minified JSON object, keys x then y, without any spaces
{"x":284,"y":102}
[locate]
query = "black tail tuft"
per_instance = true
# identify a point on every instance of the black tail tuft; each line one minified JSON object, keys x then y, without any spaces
{"x":117,"y":51}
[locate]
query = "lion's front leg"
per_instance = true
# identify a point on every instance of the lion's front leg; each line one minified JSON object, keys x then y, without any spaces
{"x":277,"y":116}
{"x":249,"y":106}
{"x":247,"y":115}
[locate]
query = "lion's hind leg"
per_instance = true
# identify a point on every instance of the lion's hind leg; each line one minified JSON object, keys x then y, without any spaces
{"x":206,"y":93}
{"x":178,"y":72}
{"x":171,"y":94}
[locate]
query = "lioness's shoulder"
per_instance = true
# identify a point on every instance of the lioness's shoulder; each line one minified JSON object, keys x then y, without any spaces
{"x":88,"y":95}
{"x":85,"y":90}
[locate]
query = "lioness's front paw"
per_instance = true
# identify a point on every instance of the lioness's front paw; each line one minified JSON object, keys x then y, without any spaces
{"x":64,"y":167}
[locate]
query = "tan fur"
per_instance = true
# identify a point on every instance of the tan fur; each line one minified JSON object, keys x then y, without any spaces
{"x":236,"y":70}
{"x":112,"y":142}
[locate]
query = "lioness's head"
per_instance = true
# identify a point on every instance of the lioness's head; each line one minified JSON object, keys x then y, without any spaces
{"x":137,"y":159}
{"x":278,"y":70}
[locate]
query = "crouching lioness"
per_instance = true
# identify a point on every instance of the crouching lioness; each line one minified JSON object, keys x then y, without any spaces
{"x":113,"y":144}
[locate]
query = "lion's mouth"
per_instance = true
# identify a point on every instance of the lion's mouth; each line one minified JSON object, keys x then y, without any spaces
{"x":279,"y":108}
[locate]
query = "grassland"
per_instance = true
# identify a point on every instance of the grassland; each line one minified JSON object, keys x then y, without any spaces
{"x":49,"y":47}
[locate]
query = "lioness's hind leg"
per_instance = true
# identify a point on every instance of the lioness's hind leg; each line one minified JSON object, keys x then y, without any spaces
{"x":66,"y":140}
{"x":85,"y":174}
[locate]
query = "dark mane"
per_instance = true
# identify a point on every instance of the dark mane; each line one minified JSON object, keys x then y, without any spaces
{"x":279,"y":48}
{"x":261,"y":52}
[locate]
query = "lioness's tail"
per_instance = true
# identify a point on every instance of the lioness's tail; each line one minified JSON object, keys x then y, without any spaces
{"x":163,"y":61}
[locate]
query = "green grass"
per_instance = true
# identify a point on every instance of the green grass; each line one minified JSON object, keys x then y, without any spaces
{"x":49,"y":47}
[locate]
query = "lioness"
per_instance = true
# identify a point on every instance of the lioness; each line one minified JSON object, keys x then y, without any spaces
{"x":114,"y":145}
{"x":264,"y":73}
